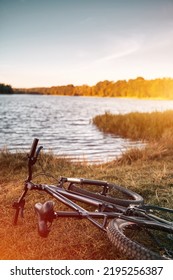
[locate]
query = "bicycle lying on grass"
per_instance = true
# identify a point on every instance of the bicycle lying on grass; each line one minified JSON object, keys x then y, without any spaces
{"x":138,"y":231}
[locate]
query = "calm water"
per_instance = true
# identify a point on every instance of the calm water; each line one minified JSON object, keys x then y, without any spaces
{"x":63,"y":124}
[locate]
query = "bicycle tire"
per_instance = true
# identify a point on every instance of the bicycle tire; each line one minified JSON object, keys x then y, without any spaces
{"x":134,"y":198}
{"x":127,"y":247}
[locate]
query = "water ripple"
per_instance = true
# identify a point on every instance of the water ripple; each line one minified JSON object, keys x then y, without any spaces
{"x":63,"y":124}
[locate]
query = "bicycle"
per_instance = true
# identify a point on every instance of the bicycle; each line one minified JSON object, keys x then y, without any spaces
{"x":118,"y":211}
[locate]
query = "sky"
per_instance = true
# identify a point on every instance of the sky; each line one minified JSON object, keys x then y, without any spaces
{"x":59,"y":42}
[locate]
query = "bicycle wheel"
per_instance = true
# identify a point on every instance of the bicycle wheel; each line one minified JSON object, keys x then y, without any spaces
{"x":114,"y":194}
{"x":146,"y":242}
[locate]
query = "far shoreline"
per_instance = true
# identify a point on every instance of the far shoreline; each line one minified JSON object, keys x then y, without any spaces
{"x":90,"y":96}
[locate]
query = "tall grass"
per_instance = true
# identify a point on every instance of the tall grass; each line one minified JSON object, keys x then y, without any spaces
{"x":136,"y":126}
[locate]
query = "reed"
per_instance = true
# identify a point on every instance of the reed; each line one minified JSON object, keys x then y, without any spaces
{"x":136,"y":126}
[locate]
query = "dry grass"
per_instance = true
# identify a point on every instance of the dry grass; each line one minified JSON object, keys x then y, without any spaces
{"x":148,"y":172}
{"x":136,"y":126}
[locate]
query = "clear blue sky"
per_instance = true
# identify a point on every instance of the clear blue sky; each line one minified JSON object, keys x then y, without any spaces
{"x":60,"y":42}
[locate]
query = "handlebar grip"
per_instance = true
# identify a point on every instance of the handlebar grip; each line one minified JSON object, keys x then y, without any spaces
{"x":33,"y":148}
{"x":94,"y":182}
{"x":86,"y":181}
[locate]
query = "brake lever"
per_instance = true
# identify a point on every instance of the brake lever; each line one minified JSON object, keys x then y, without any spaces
{"x":32,"y":160}
{"x":38,"y":151}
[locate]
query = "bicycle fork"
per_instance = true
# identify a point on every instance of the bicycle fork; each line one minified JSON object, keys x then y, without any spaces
{"x":19,"y":206}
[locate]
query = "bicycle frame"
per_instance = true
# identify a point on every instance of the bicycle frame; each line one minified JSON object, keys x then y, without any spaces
{"x":104,"y":210}
{"x":110,"y":213}
{"x":66,"y":197}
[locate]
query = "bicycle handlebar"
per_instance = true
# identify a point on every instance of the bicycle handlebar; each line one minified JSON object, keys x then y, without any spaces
{"x":85,"y":181}
{"x":33,"y":148}
{"x":32,"y":157}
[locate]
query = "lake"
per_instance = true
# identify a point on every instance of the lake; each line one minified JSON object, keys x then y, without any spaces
{"x":64,"y":124}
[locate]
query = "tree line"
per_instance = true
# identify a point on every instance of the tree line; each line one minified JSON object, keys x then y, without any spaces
{"x":6,"y":89}
{"x":139,"y":87}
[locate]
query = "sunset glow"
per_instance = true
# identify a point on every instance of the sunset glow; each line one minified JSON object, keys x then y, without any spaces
{"x":46,"y":43}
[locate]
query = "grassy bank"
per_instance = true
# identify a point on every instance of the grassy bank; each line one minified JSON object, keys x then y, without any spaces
{"x":148,"y":172}
{"x":137,"y":126}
